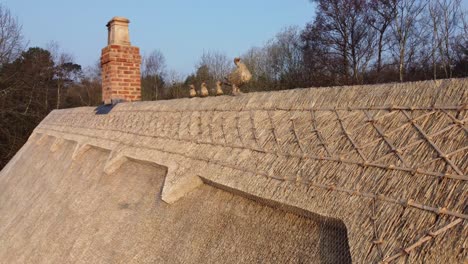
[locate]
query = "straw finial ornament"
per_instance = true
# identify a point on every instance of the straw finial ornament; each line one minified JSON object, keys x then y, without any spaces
{"x":193,"y":93}
{"x":204,"y":90}
{"x":240,"y":76}
{"x":219,"y":88}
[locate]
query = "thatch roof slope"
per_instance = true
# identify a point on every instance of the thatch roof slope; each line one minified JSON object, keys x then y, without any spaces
{"x":390,"y":161}
{"x":64,"y":211}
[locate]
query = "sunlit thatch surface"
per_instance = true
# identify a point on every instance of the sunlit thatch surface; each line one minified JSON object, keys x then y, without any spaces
{"x":55,"y":210}
{"x":390,"y":161}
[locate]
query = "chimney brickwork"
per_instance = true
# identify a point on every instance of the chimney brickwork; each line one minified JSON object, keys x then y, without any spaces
{"x":120,"y":63}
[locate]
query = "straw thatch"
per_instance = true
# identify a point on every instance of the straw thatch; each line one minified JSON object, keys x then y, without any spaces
{"x":59,"y":211}
{"x":388,"y":161}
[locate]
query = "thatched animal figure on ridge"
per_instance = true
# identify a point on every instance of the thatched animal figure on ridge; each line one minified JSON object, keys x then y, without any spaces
{"x":240,"y":76}
{"x":219,"y":88}
{"x":193,"y":93}
{"x":204,"y":90}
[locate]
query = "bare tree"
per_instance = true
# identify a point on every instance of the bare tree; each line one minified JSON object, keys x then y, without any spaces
{"x":464,"y":24}
{"x":66,"y":70}
{"x":405,"y":27}
{"x":256,"y":60}
{"x":434,"y":18}
{"x":12,"y":41}
{"x":345,"y":33}
{"x":88,"y":90}
{"x":278,"y":64}
{"x":218,"y":63}
{"x":153,"y":74}
{"x":154,"y":64}
{"x":380,"y":17}
{"x":284,"y":56}
{"x":450,"y":21}
{"x":175,"y":84}
{"x":11,"y":45}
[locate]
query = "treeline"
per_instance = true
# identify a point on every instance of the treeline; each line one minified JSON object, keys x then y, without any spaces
{"x":34,"y":84}
{"x":348,"y":42}
{"x":35,"y":81}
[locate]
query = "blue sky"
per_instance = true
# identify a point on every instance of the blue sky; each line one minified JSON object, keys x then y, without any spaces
{"x":182,"y":30}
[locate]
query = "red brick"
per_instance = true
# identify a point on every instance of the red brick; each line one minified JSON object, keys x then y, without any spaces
{"x":121,"y":72}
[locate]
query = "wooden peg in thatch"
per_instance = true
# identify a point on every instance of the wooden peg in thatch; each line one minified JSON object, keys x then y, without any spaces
{"x":444,"y":176}
{"x":415,"y":171}
{"x":378,"y":241}
{"x":444,"y":156}
{"x":442,"y":211}
{"x":380,"y":196}
{"x":459,"y":122}
{"x":404,"y":251}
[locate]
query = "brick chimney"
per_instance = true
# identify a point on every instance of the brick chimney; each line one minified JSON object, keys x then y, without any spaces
{"x":120,"y":63}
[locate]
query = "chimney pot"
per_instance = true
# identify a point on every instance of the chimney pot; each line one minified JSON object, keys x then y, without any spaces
{"x":118,"y":31}
{"x":120,"y":63}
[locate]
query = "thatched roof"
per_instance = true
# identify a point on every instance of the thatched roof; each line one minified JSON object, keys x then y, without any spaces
{"x":388,"y":162}
{"x":54,"y":210}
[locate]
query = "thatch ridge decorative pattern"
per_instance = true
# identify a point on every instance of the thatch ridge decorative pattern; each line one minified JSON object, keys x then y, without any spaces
{"x":363,"y":161}
{"x":298,"y":179}
{"x":390,"y":161}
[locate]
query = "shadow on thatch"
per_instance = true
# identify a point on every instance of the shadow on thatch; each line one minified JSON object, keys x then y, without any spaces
{"x":333,"y":244}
